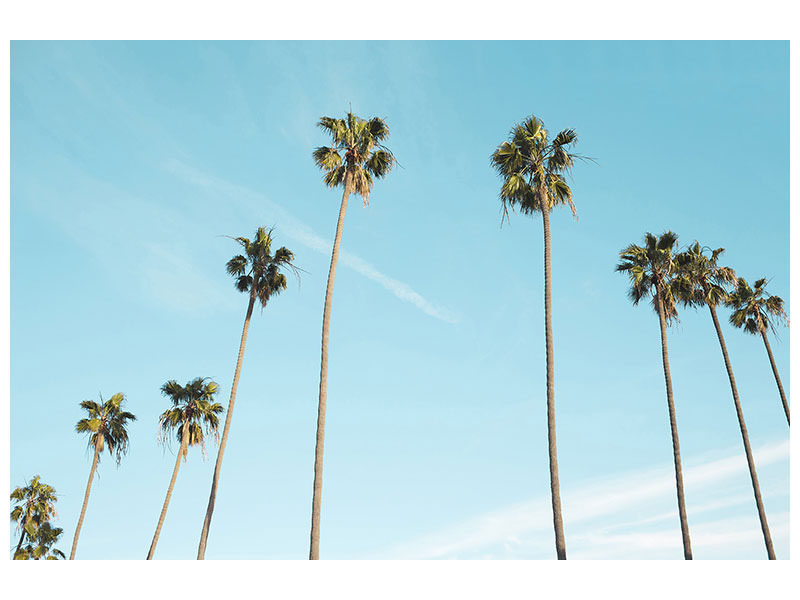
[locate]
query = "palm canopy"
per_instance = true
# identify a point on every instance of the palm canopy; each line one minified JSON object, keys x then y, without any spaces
{"x":41,"y":545}
{"x":259,"y":265}
{"x":533,"y":167}
{"x":35,"y":504}
{"x":699,"y":279}
{"x":193,"y":408}
{"x":357,"y":150}
{"x":107,"y":423}
{"x":651,"y":269}
{"x":754,"y":309}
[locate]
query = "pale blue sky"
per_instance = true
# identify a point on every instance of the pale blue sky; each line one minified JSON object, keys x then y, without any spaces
{"x":130,"y":162}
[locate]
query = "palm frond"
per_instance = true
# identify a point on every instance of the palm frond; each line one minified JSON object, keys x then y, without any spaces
{"x":379,"y":163}
{"x":327,"y":158}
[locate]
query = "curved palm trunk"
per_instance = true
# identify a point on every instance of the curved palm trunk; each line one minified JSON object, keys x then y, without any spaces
{"x":201,"y":550}
{"x":762,"y":515}
{"x":184,"y":441}
{"x":316,"y":503}
{"x":676,"y":448}
{"x":555,"y":492}
{"x":775,"y":372}
{"x":86,"y":498}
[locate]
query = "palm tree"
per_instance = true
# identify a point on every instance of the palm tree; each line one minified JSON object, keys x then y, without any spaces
{"x":107,"y":423}
{"x":701,"y":281}
{"x":193,"y":410}
{"x":41,"y":545}
{"x":533,"y":168}
{"x":754,"y":311}
{"x":257,"y":271}
{"x":365,"y":159}
{"x":651,"y":269}
{"x":35,"y":504}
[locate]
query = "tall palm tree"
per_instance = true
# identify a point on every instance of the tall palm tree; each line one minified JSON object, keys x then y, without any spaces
{"x":754,"y":311}
{"x":107,"y":425}
{"x":258,"y":272}
{"x":700,"y":282}
{"x":651,"y":269}
{"x":41,"y":545}
{"x":193,"y":411}
{"x":533,"y":168}
{"x":35,"y":504}
{"x":356,"y":158}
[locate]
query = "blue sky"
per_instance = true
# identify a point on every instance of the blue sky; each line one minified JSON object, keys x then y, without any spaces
{"x":131,"y":162}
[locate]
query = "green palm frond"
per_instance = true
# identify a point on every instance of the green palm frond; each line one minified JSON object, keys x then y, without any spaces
{"x":379,"y":163}
{"x":565,"y":138}
{"x":237,"y":266}
{"x":327,"y":158}
{"x":335,"y":177}
{"x":507,"y":159}
{"x":336,"y":128}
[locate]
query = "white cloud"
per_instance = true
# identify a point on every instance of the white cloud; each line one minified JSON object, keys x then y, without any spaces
{"x":525,"y":530}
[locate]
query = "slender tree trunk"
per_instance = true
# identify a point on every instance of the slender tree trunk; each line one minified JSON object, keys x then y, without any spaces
{"x":555,"y":491}
{"x":316,"y":503}
{"x":181,"y":451}
{"x":86,"y":497}
{"x":21,"y":538}
{"x":676,"y":448}
{"x":762,"y":515}
{"x":775,"y":372}
{"x":201,"y":550}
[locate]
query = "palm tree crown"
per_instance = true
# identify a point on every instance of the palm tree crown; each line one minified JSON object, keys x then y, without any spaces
{"x":651,"y":269}
{"x":533,"y":167}
{"x":699,"y":280}
{"x":35,"y":505}
{"x":193,"y":407}
{"x":356,"y":151}
{"x":258,"y":265}
{"x":107,"y":423}
{"x":754,"y":309}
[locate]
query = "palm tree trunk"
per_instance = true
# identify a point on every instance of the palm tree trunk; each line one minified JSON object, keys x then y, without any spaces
{"x":184,"y":441}
{"x":21,"y":538}
{"x":555,"y":492}
{"x":201,"y":550}
{"x":745,"y":439}
{"x":86,"y":497}
{"x":316,"y":503}
{"x":775,"y":372}
{"x":676,"y":448}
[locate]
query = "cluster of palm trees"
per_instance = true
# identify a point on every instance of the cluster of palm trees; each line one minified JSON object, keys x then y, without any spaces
{"x":533,"y":167}
{"x":34,"y":506}
{"x":694,"y":278}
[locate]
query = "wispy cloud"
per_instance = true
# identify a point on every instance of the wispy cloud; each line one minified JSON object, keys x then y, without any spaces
{"x":174,"y":280}
{"x":131,"y":236}
{"x":525,"y":530}
{"x":295,"y":229}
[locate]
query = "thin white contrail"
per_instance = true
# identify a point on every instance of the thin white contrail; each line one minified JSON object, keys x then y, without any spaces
{"x":295,"y":229}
